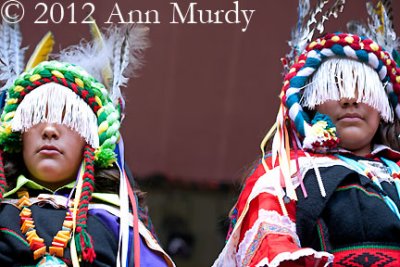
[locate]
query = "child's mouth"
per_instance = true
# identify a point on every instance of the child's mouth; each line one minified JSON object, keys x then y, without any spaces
{"x":49,"y":150}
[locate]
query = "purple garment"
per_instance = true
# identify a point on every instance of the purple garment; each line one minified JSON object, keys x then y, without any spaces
{"x":148,"y":257}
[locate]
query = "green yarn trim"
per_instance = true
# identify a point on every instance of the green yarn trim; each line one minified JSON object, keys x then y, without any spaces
{"x":105,"y":158}
{"x":359,"y":188}
{"x":65,"y":73}
{"x":389,"y":247}
{"x":15,"y":235}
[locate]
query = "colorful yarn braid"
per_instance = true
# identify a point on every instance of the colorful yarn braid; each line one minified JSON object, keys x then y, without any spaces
{"x":3,"y":183}
{"x":81,"y":83}
{"x":84,"y":242}
{"x":108,"y":121}
{"x":335,"y":45}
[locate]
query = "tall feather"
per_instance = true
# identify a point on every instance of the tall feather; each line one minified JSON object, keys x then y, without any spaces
{"x":379,"y":26}
{"x":42,"y":51}
{"x":310,"y":20}
{"x":300,"y":32}
{"x":313,"y":18}
{"x":11,"y":53}
{"x":389,"y":9}
{"x":97,"y":37}
{"x":5,"y":71}
{"x":121,"y":47}
{"x":90,"y":56}
{"x":334,"y":10}
{"x":127,"y":56}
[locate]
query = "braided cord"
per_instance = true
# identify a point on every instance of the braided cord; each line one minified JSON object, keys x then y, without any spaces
{"x":84,"y":242}
{"x":82,"y":84}
{"x":3,"y":182}
{"x":345,"y":45}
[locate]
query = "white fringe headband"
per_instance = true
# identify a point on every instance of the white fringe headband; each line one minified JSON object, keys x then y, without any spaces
{"x":338,"y":78}
{"x":55,"y":103}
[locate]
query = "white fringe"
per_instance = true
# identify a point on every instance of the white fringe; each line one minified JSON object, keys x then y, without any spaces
{"x":55,"y":103}
{"x":338,"y":78}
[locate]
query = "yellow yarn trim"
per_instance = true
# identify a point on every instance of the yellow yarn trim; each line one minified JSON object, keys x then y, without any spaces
{"x":98,"y":100}
{"x":335,"y":38}
{"x":57,"y":74}
{"x":103,"y":127}
{"x":349,"y":39}
{"x":100,"y":111}
{"x":6,"y":128}
{"x":9,"y":116}
{"x":35,"y":77}
{"x":12,"y":101}
{"x":79,"y":82}
{"x":18,"y":88}
{"x":374,"y":47}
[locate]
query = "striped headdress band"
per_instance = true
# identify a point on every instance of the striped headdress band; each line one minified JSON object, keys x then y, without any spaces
{"x":93,"y":93}
{"x":335,"y":45}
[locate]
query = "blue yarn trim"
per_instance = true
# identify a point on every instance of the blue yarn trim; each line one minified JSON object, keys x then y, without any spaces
{"x":380,"y":65}
{"x":323,"y":117}
{"x":386,"y":79}
{"x":312,"y":63}
{"x":338,"y":50}
{"x":362,"y":55}
{"x":299,"y":122}
{"x":393,"y":99}
{"x":292,"y":99}
{"x":298,"y":81}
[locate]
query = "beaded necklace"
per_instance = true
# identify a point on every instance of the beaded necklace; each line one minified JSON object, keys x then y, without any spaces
{"x":394,"y":171}
{"x":51,"y":256}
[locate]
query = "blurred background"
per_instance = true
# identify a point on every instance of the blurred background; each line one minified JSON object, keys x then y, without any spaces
{"x":199,"y":107}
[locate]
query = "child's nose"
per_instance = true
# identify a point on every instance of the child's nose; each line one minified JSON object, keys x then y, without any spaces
{"x":345,"y":102}
{"x":50,"y":131}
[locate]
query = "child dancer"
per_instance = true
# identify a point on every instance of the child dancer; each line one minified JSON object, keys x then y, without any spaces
{"x":329,"y":190}
{"x":65,"y":197}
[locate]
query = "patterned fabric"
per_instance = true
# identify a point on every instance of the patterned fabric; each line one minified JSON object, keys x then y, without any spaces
{"x":322,"y":226}
{"x":367,"y":256}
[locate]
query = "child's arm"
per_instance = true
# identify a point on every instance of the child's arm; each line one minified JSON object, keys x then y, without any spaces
{"x":263,"y":235}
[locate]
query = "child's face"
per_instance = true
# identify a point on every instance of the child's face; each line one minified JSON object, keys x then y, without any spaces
{"x":356,"y":123}
{"x":52,"y":153}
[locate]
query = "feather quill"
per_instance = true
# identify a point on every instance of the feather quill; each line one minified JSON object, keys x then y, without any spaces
{"x":127,"y":56}
{"x":121,"y":47}
{"x":308,"y":21}
{"x":11,"y":53}
{"x":97,"y":37}
{"x":379,"y":26}
{"x":89,"y":56}
{"x":298,"y":40}
{"x":5,"y":52}
{"x":42,"y":51}
{"x":334,"y":10}
{"x":313,"y":18}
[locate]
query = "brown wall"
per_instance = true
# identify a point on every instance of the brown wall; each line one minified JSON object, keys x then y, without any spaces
{"x":200,"y":106}
{"x":207,"y":93}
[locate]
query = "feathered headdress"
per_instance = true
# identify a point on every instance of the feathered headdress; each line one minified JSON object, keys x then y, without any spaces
{"x":82,"y":90}
{"x":293,"y":127}
{"x":11,"y":54}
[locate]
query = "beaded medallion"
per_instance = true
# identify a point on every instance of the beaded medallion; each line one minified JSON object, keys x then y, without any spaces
{"x":51,"y":261}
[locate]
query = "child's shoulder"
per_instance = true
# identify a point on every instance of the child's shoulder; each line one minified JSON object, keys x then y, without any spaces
{"x":269,"y":168}
{"x":298,"y":159}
